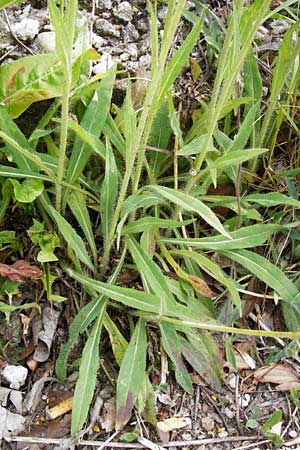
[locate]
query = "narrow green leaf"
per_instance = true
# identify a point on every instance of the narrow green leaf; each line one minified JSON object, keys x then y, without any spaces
{"x":153,"y":275}
{"x":13,"y":172}
{"x":195,"y":146}
{"x":72,"y":238}
{"x":272,"y":199}
{"x":202,"y":353}
{"x":251,"y":236}
{"x":86,"y":383}
{"x":82,"y":320}
{"x":92,"y":122}
{"x":109,"y":192}
{"x":172,"y":346}
{"x":247,"y":127}
{"x":153,"y":222}
{"x":265,"y":271}
{"x":90,"y":139}
{"x":129,"y":297}
{"x":77,"y":203}
{"x":189,"y":203}
{"x":179,"y":59}
{"x":130,"y":126}
{"x":131,"y":375}
{"x":236,"y":157}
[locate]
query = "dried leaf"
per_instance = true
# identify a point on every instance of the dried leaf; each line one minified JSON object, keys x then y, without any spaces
{"x":108,"y":419}
{"x":276,"y":373}
{"x":19,"y":270}
{"x":201,"y":286}
{"x":60,"y":409}
{"x":173,"y":423}
{"x":284,"y":387}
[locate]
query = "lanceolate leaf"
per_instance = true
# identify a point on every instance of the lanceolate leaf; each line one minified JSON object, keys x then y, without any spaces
{"x":93,"y":122}
{"x":251,"y":236}
{"x":272,"y":199}
{"x":265,"y":271}
{"x":83,"y":319}
{"x":202,"y":353}
{"x":72,"y":238}
{"x":153,"y":275}
{"x":109,"y":191}
{"x":131,"y":375}
{"x":190,"y":203}
{"x":117,"y":340}
{"x":236,"y":157}
{"x":77,"y":203}
{"x":173,"y":348}
{"x":129,"y":297}
{"x":152,"y":222}
{"x":87,"y":376}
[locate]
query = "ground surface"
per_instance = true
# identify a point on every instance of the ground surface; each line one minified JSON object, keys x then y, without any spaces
{"x":231,"y":418}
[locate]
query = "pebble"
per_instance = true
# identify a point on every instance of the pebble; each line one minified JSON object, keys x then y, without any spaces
{"x":46,"y":41}
{"x":27,"y":29}
{"x":124,"y":12}
{"x":223,"y":434}
{"x":97,"y":41}
{"x":106,"y":63}
{"x":232,"y":380}
{"x":132,"y":50}
{"x":15,"y":375}
{"x":293,"y":433}
{"x":106,"y":28}
{"x":229,"y":413}
{"x":244,"y":400}
{"x":208,"y":423}
{"x":145,"y":61}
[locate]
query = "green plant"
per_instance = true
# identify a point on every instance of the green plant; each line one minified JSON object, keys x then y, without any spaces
{"x":155,"y":212}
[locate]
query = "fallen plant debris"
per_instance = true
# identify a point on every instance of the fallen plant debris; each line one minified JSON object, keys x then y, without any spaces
{"x":19,"y":271}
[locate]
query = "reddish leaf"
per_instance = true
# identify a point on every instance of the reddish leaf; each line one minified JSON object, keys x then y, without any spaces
{"x":19,"y":270}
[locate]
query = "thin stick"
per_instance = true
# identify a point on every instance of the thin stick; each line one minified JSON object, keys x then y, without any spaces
{"x":28,"y":439}
{"x":14,"y":35}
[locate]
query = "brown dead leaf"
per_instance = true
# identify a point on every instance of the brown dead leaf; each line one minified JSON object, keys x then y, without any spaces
{"x":284,"y":387}
{"x":19,"y":270}
{"x":60,"y":409}
{"x":173,"y":423}
{"x":108,"y":419}
{"x":277,"y":374}
{"x":201,"y":286}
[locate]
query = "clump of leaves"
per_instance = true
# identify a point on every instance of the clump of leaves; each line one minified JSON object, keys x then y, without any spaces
{"x":151,"y":200}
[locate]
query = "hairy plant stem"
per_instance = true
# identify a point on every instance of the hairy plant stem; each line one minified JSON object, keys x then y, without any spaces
{"x":63,"y":141}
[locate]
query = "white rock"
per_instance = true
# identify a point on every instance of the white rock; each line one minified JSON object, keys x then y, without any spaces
{"x":244,"y":400}
{"x":223,"y":434}
{"x":46,"y":41}
{"x":105,"y":64}
{"x":232,"y":380}
{"x":97,"y":41}
{"x":27,"y":29}
{"x":229,"y":413}
{"x":293,"y":433}
{"x":132,"y":50}
{"x":124,"y":12}
{"x":15,"y":375}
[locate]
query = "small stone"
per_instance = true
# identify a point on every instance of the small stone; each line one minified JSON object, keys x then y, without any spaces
{"x":232,"y":380}
{"x":229,"y":413}
{"x":162,"y":13}
{"x":124,"y":57}
{"x":145,"y":61}
{"x":97,"y":41}
{"x":132,"y":50}
{"x":124,"y":12}
{"x":244,"y":400}
{"x":130,"y":33}
{"x":15,"y":375}
{"x":293,"y":434}
{"x":208,"y":423}
{"x":26,"y":30}
{"x":105,"y":64}
{"x":46,"y":41}
{"x":106,"y":28}
{"x":223,"y":434}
